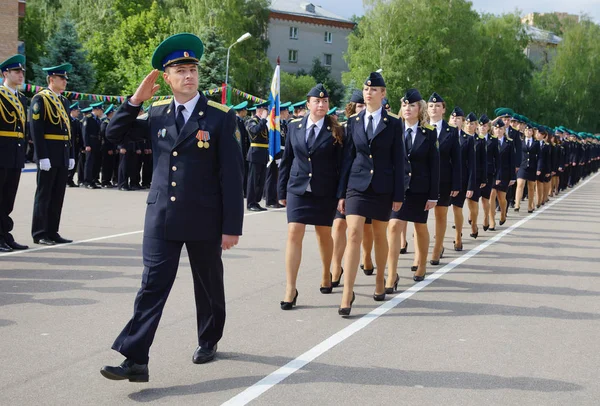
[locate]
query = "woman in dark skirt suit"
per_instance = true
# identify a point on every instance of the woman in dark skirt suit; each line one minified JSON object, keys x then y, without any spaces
{"x":506,"y":175}
{"x":480,"y":172}
{"x":308,"y":182}
{"x":468,"y":174}
{"x":372,"y":183}
{"x":423,"y":179}
{"x":450,"y":170}
{"x":545,"y":166}
{"x":483,"y":129}
{"x":527,"y":169}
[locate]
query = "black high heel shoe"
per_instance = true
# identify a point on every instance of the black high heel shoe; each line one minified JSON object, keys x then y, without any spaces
{"x":458,"y":247}
{"x":335,"y":284}
{"x":417,"y":278}
{"x":345,"y":311}
{"x":327,"y":289}
{"x":367,"y":272}
{"x":485,"y":228}
{"x":403,"y":250}
{"x":502,"y":222}
{"x":434,"y":262}
{"x":393,"y":288}
{"x":475,"y":235}
{"x":380,"y":297}
{"x":289,"y":305}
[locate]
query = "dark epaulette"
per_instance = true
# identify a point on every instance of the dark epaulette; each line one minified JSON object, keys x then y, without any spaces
{"x":218,"y":106}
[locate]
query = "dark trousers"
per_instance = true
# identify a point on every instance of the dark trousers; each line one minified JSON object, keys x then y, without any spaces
{"x":510,"y":194}
{"x":9,"y":183}
{"x":75,"y":168}
{"x":271,"y":184}
{"x":81,"y":168}
{"x":246,"y":166}
{"x":136,"y":176}
{"x":147,"y":169}
{"x":161,"y":260}
{"x":48,"y":202}
{"x":93,"y":160}
{"x":108,"y":166}
{"x":126,"y":168}
{"x":256,"y":183}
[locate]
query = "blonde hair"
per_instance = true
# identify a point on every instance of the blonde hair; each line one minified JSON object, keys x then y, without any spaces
{"x":423,"y":116}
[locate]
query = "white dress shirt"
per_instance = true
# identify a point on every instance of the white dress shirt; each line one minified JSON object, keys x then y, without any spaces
{"x":189,"y":107}
{"x":376,"y":118}
{"x":13,"y":91}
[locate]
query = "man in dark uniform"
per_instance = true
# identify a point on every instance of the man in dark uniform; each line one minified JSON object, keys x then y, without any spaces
{"x":258,"y":156}
{"x":107,"y":150}
{"x":77,"y":140}
{"x":272,"y":176}
{"x":13,"y":124}
{"x":93,"y":146}
{"x":241,"y":111}
{"x":51,"y":133}
{"x":82,"y":152}
{"x":196,"y":199}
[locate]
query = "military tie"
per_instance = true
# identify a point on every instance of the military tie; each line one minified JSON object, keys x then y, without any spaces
{"x":408,"y":140}
{"x":180,"y":121}
{"x":311,"y":137}
{"x":529,"y":143}
{"x":370,"y":128}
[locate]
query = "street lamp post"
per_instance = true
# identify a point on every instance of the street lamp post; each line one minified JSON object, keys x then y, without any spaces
{"x":240,"y":39}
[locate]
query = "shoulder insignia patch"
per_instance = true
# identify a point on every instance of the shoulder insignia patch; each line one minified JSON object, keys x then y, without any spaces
{"x":428,"y":126}
{"x":88,"y":115}
{"x":35,"y":116}
{"x":238,"y":135}
{"x":218,"y":106}
{"x":510,"y":139}
{"x":481,"y":137}
{"x":161,"y":102}
{"x":355,"y":114}
{"x":295,"y":120}
{"x":494,"y":136}
{"x":36,"y":107}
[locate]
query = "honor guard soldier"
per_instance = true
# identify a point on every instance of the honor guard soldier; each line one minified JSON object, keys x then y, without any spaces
{"x":93,"y":146}
{"x":108,"y":149}
{"x":241,"y":111}
{"x":258,"y":156}
{"x":195,"y":199}
{"x":13,"y":122}
{"x":77,"y":140}
{"x":51,"y":133}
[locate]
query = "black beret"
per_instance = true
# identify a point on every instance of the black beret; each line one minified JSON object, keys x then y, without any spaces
{"x":357,"y":97}
{"x":375,"y":79}
{"x":435,"y":98}
{"x":412,"y":96}
{"x":318,"y":91}
{"x":471,"y":117}
{"x":458,"y":112}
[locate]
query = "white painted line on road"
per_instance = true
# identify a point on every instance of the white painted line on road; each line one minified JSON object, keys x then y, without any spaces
{"x":59,"y":246}
{"x":254,"y":391}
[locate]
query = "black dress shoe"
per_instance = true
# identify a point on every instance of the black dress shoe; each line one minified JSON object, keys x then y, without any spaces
{"x":107,"y":185}
{"x":485,"y":228}
{"x":202,"y":355}
{"x":403,"y":250}
{"x":417,"y":278}
{"x":289,"y":305}
{"x":502,"y":222}
{"x":492,"y":229}
{"x":44,"y":241}
{"x":92,"y":186}
{"x":16,"y":246}
{"x":71,"y":184}
{"x":517,"y":209}
{"x":127,"y":370}
{"x":4,"y":247}
{"x":275,"y":206}
{"x":124,"y":189}
{"x":59,"y":240}
{"x":345,"y":311}
{"x":256,"y":207}
{"x":335,"y":284}
{"x":367,"y":272}
{"x":529,"y":211}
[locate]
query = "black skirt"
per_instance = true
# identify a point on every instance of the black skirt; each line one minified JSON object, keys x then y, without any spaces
{"x":502,"y":186}
{"x":487,"y":190}
{"x":445,"y":198}
{"x":311,"y":209}
{"x":527,"y":174}
{"x":369,"y":204}
{"x":413,"y":208}
{"x":459,"y":200}
{"x":476,"y":192}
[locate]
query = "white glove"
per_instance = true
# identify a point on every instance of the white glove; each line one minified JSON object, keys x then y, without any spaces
{"x":45,"y":164}
{"x":71,"y":164}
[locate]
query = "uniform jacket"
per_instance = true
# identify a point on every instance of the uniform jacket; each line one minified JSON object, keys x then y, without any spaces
{"x":423,"y":164}
{"x":450,"y":162}
{"x":196,"y":193}
{"x":244,"y":140}
{"x":13,"y":122}
{"x":506,"y":161}
{"x":517,"y":138}
{"x":544,"y":158}
{"x":529,"y":155}
{"x":106,"y":144}
{"x":492,"y":155}
{"x":319,"y":165}
{"x":76,"y":135}
{"x":46,"y":122}
{"x":378,"y":162}
{"x":480,"y":159}
{"x":91,"y":131}
{"x":468,"y":161}
{"x":258,"y":133}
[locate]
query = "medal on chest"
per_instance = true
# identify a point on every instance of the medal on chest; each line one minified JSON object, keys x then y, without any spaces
{"x":203,"y":137}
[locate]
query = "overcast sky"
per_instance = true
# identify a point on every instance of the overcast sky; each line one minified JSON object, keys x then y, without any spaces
{"x":346,"y":8}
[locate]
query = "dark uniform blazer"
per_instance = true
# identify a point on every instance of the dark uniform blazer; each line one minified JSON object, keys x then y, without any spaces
{"x":480,"y":160}
{"x":468,"y":161}
{"x":258,"y":133}
{"x":196,"y":193}
{"x":13,"y":142}
{"x":76,"y":135}
{"x":450,"y":167}
{"x":506,"y":161}
{"x":529,"y":159}
{"x":544,"y":158}
{"x":493,"y":153}
{"x":320,"y":165}
{"x":244,"y":140}
{"x":46,"y":134}
{"x":106,"y":144}
{"x":517,"y":138}
{"x":91,"y":131}
{"x":378,"y":162}
{"x":423,"y":163}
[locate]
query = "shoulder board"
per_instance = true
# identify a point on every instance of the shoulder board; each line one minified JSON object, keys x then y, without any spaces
{"x":21,"y":94}
{"x":493,"y":136}
{"x":508,"y":138}
{"x":89,"y":115}
{"x":427,"y":126}
{"x":481,"y":137}
{"x":143,"y":116}
{"x":161,"y":102}
{"x":393,"y":115}
{"x":355,"y":114}
{"x":218,"y":106}
{"x":295,"y":120}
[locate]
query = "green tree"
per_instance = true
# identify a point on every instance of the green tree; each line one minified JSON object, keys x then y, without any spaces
{"x":62,"y":47}
{"x":33,"y":32}
{"x":295,"y":87}
{"x":322,"y":74}
{"x":212,"y":65}
{"x":548,"y":22}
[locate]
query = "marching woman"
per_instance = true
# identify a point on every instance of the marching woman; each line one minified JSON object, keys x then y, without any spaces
{"x":372,"y":183}
{"x":450,"y":170}
{"x":527,"y":169}
{"x":547,"y":151}
{"x":355,"y":106}
{"x":468,"y":174}
{"x":543,"y":172}
{"x":505,"y":173}
{"x":557,"y":163}
{"x":480,"y":172}
{"x":423,"y":179}
{"x":492,"y":152}
{"x":308,"y":181}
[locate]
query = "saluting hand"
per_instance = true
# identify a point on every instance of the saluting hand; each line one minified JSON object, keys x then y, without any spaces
{"x":396,"y":206}
{"x":146,"y":89}
{"x":229,"y":241}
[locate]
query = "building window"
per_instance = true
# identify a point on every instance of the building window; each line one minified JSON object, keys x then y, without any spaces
{"x":293,"y":32}
{"x":327,"y":61}
{"x":328,"y":37}
{"x":293,"y":56}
